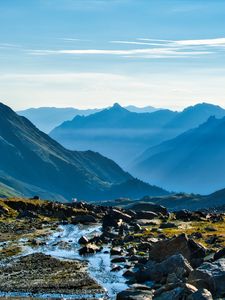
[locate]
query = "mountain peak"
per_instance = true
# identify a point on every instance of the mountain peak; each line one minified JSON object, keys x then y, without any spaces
{"x":117,"y":108}
{"x":116,"y":105}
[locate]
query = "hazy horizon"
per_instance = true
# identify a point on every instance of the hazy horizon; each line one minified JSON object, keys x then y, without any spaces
{"x":92,"y":53}
{"x":104,"y":107}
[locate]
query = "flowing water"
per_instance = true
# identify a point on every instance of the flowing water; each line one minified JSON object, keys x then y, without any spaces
{"x":99,"y":264}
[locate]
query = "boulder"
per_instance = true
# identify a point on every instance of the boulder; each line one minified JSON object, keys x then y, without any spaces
{"x":89,"y":249}
{"x":83,"y":240}
{"x":210,"y":276}
{"x":219,"y":254}
{"x":178,"y":293}
{"x":146,"y":215}
{"x":116,"y":251}
{"x":83,"y":219}
{"x":157,"y":271}
{"x":183,"y":215}
{"x":135,"y":294}
{"x":190,"y":250}
{"x":149,"y":206}
{"x":118,"y":259}
{"x":201,"y":294}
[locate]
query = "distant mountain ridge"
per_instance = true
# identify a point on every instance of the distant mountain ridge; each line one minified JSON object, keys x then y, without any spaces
{"x":47,"y":118}
{"x":35,"y":163}
{"x":124,"y":136}
{"x":114,"y":132}
{"x":192,"y":162}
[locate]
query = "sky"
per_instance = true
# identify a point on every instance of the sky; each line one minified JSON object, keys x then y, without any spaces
{"x":92,"y":53}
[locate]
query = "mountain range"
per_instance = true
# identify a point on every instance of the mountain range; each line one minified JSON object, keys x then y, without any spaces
{"x":123,"y":135}
{"x":192,"y":162}
{"x":33,"y":163}
{"x":114,"y":132}
{"x":47,"y":118}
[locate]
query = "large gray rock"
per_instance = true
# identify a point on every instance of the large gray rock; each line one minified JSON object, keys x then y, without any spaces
{"x":181,"y":244}
{"x":156,"y":271}
{"x":210,"y":276}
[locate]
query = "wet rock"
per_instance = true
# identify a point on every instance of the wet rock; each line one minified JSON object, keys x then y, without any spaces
{"x":210,"y":276}
{"x":116,"y":268}
{"x":201,"y":294}
{"x":118,"y":259}
{"x":129,"y":274}
{"x":83,"y":240}
{"x":116,"y":251}
{"x":156,"y":271}
{"x":178,"y":245}
{"x":89,"y":249}
{"x":135,"y":294}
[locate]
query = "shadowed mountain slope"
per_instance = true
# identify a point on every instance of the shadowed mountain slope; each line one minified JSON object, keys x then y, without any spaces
{"x":35,"y":162}
{"x":192,"y":162}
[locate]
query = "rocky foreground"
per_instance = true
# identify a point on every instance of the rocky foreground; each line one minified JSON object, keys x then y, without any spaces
{"x":162,"y":255}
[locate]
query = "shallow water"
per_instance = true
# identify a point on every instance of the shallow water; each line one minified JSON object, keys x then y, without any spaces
{"x":99,"y":265}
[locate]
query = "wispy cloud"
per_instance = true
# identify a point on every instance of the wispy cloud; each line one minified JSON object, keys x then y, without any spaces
{"x":151,"y":48}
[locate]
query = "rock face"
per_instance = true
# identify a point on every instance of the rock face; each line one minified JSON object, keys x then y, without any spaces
{"x":210,"y":276}
{"x":190,"y":250}
{"x":175,"y":264}
{"x":46,"y":274}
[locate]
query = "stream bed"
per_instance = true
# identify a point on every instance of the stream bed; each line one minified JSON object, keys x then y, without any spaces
{"x":63,"y":243}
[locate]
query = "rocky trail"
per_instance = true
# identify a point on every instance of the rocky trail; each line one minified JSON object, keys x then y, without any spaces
{"x":82,"y":251}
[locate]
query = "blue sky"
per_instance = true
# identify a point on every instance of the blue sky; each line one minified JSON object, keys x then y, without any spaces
{"x":92,"y":53}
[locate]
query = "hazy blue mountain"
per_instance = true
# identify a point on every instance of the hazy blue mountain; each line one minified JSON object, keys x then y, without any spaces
{"x":191,"y":162}
{"x":189,"y":118}
{"x":32,"y":162}
{"x":193,"y":116}
{"x":114,"y":132}
{"x":47,"y":118}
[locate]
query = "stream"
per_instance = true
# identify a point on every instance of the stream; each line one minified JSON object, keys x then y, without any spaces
{"x":99,"y":264}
